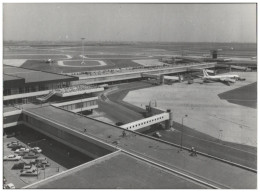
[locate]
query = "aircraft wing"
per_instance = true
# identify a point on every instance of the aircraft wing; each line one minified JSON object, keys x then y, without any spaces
{"x":171,"y":78}
{"x":227,"y":81}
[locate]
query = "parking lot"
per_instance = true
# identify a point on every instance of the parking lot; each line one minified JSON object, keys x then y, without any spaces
{"x":59,"y":157}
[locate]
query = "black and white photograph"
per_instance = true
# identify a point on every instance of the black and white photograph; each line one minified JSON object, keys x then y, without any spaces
{"x":127,"y":95}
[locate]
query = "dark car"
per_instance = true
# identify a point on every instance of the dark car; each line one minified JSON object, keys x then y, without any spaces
{"x":31,"y":155}
{"x":15,"y":147}
{"x":41,"y":162}
{"x":10,"y":135}
{"x":14,"y":144}
{"x":18,"y":166}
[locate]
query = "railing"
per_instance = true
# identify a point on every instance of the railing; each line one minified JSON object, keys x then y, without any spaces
{"x":134,"y":69}
{"x":74,"y":89}
{"x":45,"y":98}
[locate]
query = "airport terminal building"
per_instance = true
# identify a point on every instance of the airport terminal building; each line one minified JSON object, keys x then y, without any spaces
{"x":25,"y":86}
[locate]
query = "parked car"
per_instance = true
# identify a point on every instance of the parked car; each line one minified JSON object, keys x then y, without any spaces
{"x":36,"y":149}
{"x":10,"y":135}
{"x":15,"y":147}
{"x":29,"y":167}
{"x":43,"y":164}
{"x":157,"y":134}
{"x":22,"y":150}
{"x":14,"y":144}
{"x":41,"y":161}
{"x":31,"y":155}
{"x":18,"y":166}
{"x":30,"y":172}
{"x":12,"y":158}
{"x":9,"y":186}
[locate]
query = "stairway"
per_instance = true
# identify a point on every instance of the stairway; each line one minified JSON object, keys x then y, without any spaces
{"x":46,"y":97}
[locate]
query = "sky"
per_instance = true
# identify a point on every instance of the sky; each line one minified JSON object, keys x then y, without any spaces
{"x":130,"y":22}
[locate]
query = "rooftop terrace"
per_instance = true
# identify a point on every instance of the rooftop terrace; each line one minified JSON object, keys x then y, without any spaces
{"x":215,"y":172}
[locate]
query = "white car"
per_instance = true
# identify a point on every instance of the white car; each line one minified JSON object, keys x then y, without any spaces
{"x":12,"y":158}
{"x":30,"y":172}
{"x":36,"y":149}
{"x":9,"y":186}
{"x":22,"y":150}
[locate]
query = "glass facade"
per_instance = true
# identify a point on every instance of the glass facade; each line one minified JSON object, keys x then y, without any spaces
{"x":80,"y":105}
{"x":35,"y":88}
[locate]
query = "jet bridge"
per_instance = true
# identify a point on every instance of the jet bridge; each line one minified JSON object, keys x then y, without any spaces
{"x":161,"y":117}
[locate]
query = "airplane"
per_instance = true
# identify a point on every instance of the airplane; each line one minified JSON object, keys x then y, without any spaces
{"x":226,"y":79}
{"x":49,"y":61}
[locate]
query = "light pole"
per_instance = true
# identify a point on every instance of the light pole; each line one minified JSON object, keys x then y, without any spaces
{"x":220,"y":134}
{"x":182,"y":130}
{"x":82,"y":51}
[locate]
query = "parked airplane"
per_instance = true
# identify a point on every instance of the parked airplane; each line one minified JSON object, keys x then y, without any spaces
{"x":49,"y":61}
{"x":227,"y":79}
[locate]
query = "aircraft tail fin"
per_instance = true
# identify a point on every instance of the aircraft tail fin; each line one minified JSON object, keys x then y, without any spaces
{"x":205,"y":74}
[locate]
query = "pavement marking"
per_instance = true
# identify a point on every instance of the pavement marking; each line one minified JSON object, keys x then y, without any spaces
{"x":218,"y":143}
{"x":83,"y":56}
{"x":229,"y":121}
{"x":101,"y":63}
{"x":69,"y":56}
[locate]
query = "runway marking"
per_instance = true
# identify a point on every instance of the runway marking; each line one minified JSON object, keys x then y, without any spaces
{"x":101,"y":63}
{"x":69,"y":57}
{"x":83,"y":56}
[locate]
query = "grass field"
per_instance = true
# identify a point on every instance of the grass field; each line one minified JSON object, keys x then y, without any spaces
{"x":246,"y":96}
{"x":35,"y":56}
{"x":113,"y":54}
{"x":78,"y":63}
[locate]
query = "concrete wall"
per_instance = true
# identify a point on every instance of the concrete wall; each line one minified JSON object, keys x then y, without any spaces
{"x":78,"y":105}
{"x":12,"y":118}
{"x":76,"y":140}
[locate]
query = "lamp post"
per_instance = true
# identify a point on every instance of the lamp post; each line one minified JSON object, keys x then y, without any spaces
{"x":82,"y":51}
{"x":182,"y":130}
{"x":220,"y":134}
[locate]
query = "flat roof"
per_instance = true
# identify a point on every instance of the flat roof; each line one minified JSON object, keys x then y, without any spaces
{"x":117,"y":171}
{"x":10,"y":77}
{"x":32,"y":76}
{"x":9,"y":109}
{"x":213,"y":171}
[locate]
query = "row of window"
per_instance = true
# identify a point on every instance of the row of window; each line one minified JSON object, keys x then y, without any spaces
{"x":35,"y":88}
{"x":79,"y":105}
{"x":19,"y":101}
{"x":146,"y":122}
